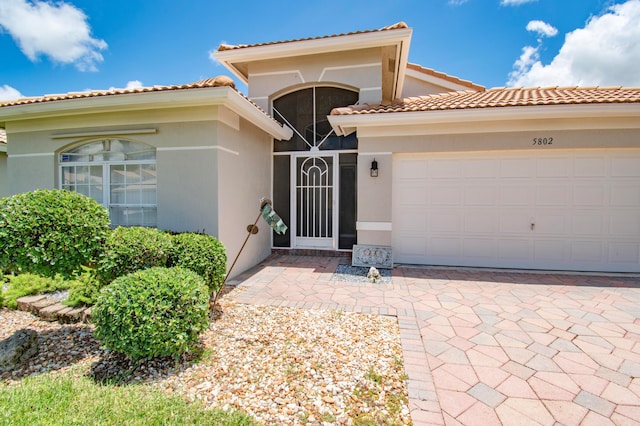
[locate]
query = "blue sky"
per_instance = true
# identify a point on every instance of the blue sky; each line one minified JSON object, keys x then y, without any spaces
{"x":74,"y":45}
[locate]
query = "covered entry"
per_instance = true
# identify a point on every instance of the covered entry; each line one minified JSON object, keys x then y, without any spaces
{"x":564,"y":210}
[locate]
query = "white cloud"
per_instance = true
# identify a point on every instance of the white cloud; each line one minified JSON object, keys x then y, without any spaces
{"x":133,"y":84}
{"x":605,"y":52}
{"x":57,"y":30}
{"x":542,"y":28}
{"x":8,"y":93}
{"x":457,"y":2}
{"x":515,"y":2}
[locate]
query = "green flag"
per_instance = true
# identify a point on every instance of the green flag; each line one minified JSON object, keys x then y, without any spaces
{"x":272,"y":218}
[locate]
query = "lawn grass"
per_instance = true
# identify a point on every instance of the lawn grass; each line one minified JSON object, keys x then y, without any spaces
{"x":73,"y":399}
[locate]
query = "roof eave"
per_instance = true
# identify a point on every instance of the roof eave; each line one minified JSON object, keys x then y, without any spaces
{"x":211,"y":96}
{"x":400,"y":37}
{"x":349,"y":123}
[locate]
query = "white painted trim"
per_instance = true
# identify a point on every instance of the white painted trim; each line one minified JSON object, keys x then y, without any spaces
{"x":436,"y":80}
{"x":370,"y":89}
{"x":105,"y":133}
{"x":373,"y":226}
{"x":374,"y":154}
{"x":347,"y":67}
{"x":258,"y":98}
{"x":418,"y":122}
{"x":41,"y":154}
{"x":209,"y":96}
{"x":198,"y":148}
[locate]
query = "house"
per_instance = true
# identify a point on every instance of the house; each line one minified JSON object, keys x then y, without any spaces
{"x":356,"y":146}
{"x":4,"y":188}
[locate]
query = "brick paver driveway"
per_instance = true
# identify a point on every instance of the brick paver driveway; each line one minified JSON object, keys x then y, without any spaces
{"x":489,"y":348}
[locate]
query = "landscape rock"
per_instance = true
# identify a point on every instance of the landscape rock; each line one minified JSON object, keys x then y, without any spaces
{"x":18,"y":348}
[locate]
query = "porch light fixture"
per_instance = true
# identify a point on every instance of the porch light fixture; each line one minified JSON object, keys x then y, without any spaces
{"x":374,"y":168}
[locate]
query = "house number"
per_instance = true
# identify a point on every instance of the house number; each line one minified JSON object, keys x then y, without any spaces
{"x":542,"y":141}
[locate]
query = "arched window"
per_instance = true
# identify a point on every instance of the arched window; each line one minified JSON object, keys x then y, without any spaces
{"x":119,"y":174}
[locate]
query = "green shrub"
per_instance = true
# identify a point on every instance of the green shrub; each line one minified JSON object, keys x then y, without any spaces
{"x":84,"y":290}
{"x":49,"y":232}
{"x":132,"y":249}
{"x":202,"y":254}
{"x":28,"y":284}
{"x":151,"y":313}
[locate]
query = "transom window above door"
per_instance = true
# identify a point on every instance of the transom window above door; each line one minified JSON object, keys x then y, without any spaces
{"x":306,"y":111}
{"x":119,"y":174}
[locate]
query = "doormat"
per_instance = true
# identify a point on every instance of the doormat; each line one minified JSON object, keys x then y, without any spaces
{"x":358,"y":274}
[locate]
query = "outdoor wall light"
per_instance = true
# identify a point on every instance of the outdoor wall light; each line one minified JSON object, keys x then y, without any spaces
{"x":374,"y":168}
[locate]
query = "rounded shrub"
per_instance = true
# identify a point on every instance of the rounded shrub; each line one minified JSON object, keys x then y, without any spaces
{"x":132,"y":249}
{"x":152,"y":313}
{"x":202,"y":254}
{"x":49,"y":232}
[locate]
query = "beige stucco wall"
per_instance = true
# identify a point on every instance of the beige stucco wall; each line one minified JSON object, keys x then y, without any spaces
{"x":360,"y":69}
{"x":417,"y":87}
{"x":243,"y":179}
{"x":212,"y":166}
{"x":375,"y":194}
{"x":4,"y":185}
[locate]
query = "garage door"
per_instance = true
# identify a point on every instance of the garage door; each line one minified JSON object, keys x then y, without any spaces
{"x":562,"y":210}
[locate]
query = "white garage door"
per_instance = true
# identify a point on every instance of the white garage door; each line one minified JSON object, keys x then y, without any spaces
{"x":565,"y":210}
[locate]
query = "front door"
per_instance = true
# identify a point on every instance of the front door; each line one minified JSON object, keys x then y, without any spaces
{"x":314,"y":201}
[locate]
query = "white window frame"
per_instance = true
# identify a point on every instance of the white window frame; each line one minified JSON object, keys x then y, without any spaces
{"x":106,"y":177}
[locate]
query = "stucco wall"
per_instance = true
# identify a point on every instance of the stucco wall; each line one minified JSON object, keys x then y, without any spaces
{"x":375,"y":194}
{"x":212,"y":167}
{"x":416,"y":87}
{"x":4,"y":185}
{"x":359,"y":69}
{"x":244,"y":173}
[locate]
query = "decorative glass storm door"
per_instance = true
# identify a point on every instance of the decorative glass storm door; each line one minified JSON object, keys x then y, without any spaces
{"x":314,"y":200}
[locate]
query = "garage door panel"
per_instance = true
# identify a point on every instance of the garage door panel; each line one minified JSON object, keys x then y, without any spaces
{"x":551,"y":222}
{"x":447,"y":221}
{"x":591,"y":194}
{"x":625,"y":194}
{"x":411,"y":194}
{"x":517,"y":168}
{"x":624,"y":253}
{"x":412,"y":170}
{"x":472,"y":209}
{"x":555,"y":194}
{"x":623,"y":224}
{"x":588,"y":223}
{"x":444,"y":169}
{"x":516,"y":249}
{"x":443,"y":247}
{"x":515,"y":221}
{"x":481,"y":195}
{"x":446,"y":195}
{"x":550,"y":250}
{"x":590,"y":167}
{"x":586,"y":251}
{"x":480,"y":222}
{"x":625,"y":166}
{"x":478,"y":169}
{"x":479,"y":247}
{"x":557,"y":167}
{"x":515,"y":195}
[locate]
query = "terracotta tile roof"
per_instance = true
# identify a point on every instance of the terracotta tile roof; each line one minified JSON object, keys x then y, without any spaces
{"x":223,"y":47}
{"x":210,"y":82}
{"x":502,"y":97}
{"x":443,"y":76}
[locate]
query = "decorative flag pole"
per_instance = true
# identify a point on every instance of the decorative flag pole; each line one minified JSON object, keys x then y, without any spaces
{"x":272,"y":219}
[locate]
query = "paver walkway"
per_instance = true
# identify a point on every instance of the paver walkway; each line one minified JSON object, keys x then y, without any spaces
{"x":485,"y":347}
